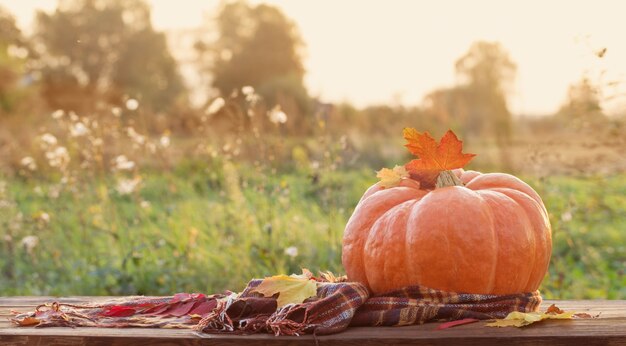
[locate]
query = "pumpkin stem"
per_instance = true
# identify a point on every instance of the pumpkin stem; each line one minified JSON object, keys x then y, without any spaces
{"x":448,"y":178}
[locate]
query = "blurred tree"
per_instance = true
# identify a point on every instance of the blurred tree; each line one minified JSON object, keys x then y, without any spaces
{"x":582,"y":106}
{"x":486,"y":72}
{"x":13,"y":53}
{"x":259,"y":47}
{"x":105,"y":51}
{"x":145,"y":68}
{"x":477,"y":105}
{"x":449,"y":106}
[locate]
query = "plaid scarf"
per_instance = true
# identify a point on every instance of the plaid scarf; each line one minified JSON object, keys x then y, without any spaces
{"x":337,"y":306}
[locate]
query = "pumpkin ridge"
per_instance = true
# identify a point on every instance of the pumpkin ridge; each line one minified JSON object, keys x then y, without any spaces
{"x":503,"y":180}
{"x":415,"y":274}
{"x":538,"y":238}
{"x":496,"y":242}
{"x":396,"y":188}
{"x":357,"y":230}
{"x":528,"y":230}
{"x":382,"y":236}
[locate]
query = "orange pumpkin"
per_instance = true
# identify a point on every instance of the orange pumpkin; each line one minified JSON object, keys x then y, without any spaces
{"x":491,"y":236}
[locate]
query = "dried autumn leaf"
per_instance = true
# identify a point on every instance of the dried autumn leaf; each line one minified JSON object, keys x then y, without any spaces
{"x":391,"y":177}
{"x":585,"y":315}
{"x":434,"y":157}
{"x":27,"y":321}
{"x":291,"y":289}
{"x":521,"y":319}
{"x":330,"y":277}
{"x":553,"y":309}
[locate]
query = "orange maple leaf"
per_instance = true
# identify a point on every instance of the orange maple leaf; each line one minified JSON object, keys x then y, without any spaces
{"x":434,"y":157}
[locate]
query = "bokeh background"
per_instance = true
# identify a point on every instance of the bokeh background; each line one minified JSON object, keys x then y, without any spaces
{"x":152,"y":147}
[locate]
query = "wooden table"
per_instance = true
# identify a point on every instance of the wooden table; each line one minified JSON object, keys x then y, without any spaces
{"x":608,"y":329}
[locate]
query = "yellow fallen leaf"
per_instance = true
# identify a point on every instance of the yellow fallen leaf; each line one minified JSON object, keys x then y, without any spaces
{"x":291,"y":289}
{"x":521,"y":319}
{"x":391,"y":177}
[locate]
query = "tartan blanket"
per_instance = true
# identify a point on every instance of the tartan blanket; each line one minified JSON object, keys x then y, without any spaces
{"x":337,"y":306}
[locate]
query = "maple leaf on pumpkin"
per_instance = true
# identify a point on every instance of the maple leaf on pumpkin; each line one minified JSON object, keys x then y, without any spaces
{"x":433,"y":157}
{"x":442,"y":156}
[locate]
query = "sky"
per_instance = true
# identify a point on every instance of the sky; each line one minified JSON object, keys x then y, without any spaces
{"x":397,"y":51}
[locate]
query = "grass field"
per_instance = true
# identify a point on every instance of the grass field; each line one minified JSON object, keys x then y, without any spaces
{"x":209,"y":227}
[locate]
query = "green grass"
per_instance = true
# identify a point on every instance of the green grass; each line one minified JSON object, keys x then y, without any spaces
{"x":207,"y":228}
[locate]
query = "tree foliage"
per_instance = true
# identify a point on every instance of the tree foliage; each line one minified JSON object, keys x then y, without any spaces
{"x":105,"y":51}
{"x":478,"y":104}
{"x":14,"y":51}
{"x":582,"y":105}
{"x":259,"y":47}
{"x":487,"y":72}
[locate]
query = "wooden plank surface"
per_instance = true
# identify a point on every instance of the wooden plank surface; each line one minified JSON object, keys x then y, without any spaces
{"x":608,"y":329}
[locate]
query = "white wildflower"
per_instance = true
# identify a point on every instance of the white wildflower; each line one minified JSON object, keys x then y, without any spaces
{"x":566,"y":216}
{"x":144,"y":204}
{"x":215,"y":106}
{"x":73,"y":116}
{"x":43,"y":216}
{"x":127,"y":186}
{"x":132,"y":104}
{"x":136,"y":137}
{"x":165,"y":141}
{"x":291,"y":251}
{"x":59,"y":157}
{"x":277,"y":116}
{"x":247,"y":90}
{"x":29,"y":243}
{"x":122,"y":163}
{"x":250,"y":95}
{"x":54,"y":191}
{"x":29,"y":163}
{"x":58,"y":114}
{"x":49,"y":139}
{"x":117,"y":112}
{"x":78,"y":130}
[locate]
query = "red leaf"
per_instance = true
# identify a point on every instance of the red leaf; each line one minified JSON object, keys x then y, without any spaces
{"x":182,"y":309}
{"x":178,"y":297}
{"x":157,"y":309}
{"x":456,"y":323}
{"x":434,"y":157}
{"x":203,"y":308}
{"x":119,"y":311}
